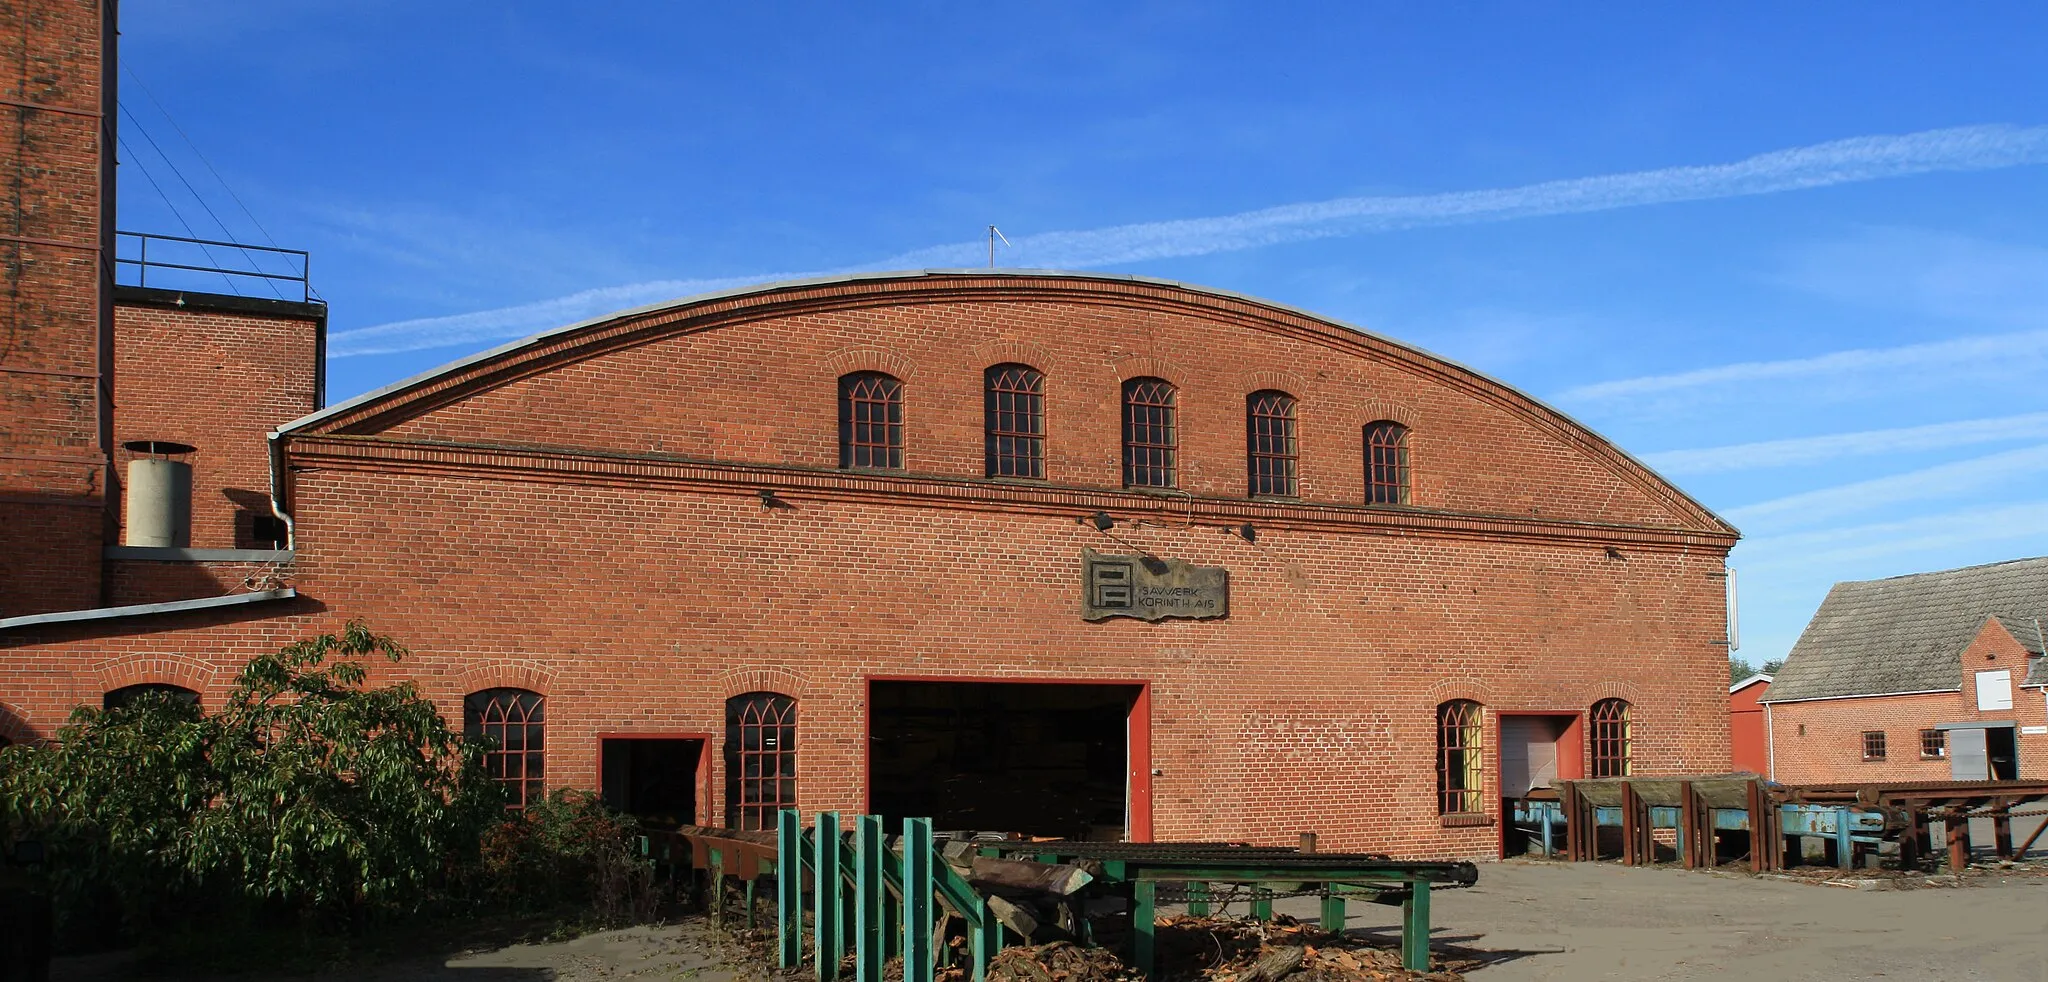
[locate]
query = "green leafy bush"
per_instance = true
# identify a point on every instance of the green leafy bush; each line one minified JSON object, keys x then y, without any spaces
{"x":309,"y":793}
{"x":567,"y":851}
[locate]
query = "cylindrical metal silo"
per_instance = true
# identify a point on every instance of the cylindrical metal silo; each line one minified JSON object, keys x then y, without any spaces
{"x":159,"y":503}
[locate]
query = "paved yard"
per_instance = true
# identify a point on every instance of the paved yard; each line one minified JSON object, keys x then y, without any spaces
{"x":1531,"y":921}
{"x":1545,"y":921}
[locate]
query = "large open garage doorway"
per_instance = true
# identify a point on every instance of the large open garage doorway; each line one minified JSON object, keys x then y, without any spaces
{"x":1066,"y":760}
{"x":1537,"y":750}
{"x":656,"y":779}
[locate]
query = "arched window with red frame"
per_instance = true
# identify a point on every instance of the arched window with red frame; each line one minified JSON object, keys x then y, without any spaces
{"x":1271,"y":454}
{"x":512,"y":723}
{"x":1015,"y":419}
{"x":1151,"y":434}
{"x":760,"y":758}
{"x":870,"y":421}
{"x":1613,"y":743}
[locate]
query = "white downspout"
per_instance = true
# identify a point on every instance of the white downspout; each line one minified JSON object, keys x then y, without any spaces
{"x":1770,"y":746}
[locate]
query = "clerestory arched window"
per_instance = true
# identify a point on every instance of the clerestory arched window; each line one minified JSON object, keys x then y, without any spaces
{"x":1014,"y":418}
{"x":1151,"y":434}
{"x":871,"y":421}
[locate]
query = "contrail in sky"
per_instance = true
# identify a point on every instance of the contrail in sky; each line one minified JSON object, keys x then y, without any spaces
{"x":1863,"y":158}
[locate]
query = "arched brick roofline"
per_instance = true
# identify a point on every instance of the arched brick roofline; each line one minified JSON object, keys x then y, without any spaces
{"x":1012,"y":353}
{"x":122,"y":671}
{"x":378,"y":410}
{"x":507,"y":674}
{"x":846,"y":361}
{"x":740,"y":681}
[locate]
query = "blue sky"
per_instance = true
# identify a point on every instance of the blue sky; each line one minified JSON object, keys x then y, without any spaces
{"x":1816,"y":234}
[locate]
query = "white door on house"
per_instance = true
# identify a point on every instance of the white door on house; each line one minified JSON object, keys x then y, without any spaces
{"x":1967,"y":757}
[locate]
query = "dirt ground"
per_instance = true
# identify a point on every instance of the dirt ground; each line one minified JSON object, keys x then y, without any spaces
{"x":1584,"y":921}
{"x":1529,"y":921}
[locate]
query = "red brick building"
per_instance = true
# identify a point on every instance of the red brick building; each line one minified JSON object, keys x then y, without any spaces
{"x":1926,"y":677}
{"x":1056,"y":553}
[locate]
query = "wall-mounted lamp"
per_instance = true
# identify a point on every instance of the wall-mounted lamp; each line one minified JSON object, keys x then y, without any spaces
{"x":1100,"y":520}
{"x":769,"y":500}
{"x":1247,"y":531}
{"x":1613,"y":553}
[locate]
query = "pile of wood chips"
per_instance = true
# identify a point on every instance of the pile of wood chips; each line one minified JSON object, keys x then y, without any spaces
{"x":1222,"y":949}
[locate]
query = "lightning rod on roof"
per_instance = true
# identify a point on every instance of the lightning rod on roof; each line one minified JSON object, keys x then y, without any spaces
{"x":995,"y":233}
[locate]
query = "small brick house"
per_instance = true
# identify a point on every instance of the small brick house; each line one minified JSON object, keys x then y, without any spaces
{"x":1932,"y":676}
{"x":1060,"y":553}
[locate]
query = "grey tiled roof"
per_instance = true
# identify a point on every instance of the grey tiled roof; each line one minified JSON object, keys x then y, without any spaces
{"x":1906,"y":633}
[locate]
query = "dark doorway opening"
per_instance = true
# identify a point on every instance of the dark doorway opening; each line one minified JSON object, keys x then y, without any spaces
{"x":653,"y":779}
{"x":1025,"y":758}
{"x":2000,"y":746}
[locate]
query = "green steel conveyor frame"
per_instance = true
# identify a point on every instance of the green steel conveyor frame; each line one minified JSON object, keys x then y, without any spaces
{"x":1265,"y":870}
{"x":892,"y":892}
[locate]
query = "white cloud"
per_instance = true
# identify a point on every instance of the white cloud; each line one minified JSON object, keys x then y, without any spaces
{"x":1845,"y":548}
{"x":1941,"y":481}
{"x":1972,"y":351}
{"x":1817,"y":449}
{"x":1836,"y":162}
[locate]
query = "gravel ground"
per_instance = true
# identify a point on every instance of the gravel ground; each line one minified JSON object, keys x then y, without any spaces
{"x":1529,"y":921}
{"x":1580,"y":921}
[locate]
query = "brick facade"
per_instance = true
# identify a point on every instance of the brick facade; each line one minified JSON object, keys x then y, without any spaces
{"x":581,"y":516}
{"x":54,"y":341}
{"x":216,"y":373}
{"x":1821,"y":741}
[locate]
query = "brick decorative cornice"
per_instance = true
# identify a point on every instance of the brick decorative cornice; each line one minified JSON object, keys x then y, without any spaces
{"x":672,"y":473}
{"x":546,"y":352}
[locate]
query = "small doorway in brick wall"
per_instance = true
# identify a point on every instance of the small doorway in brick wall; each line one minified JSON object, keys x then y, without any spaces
{"x":658,"y":779}
{"x":1537,"y":750}
{"x":1013,"y":758}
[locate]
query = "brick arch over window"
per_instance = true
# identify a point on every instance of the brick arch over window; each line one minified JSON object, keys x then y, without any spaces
{"x":513,"y":722}
{"x":1140,"y":297}
{"x":736,"y":681}
{"x":760,"y":758}
{"x":499,"y":673}
{"x":122,"y":671}
{"x":847,"y":361}
{"x":15,"y":726}
{"x":1148,"y":366}
{"x":1021,"y":352}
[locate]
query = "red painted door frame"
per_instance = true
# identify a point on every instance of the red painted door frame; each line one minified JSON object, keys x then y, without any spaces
{"x":704,"y":803}
{"x":1138,"y":739}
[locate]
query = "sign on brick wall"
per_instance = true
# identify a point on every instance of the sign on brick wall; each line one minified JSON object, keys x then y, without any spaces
{"x":1150,"y":588}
